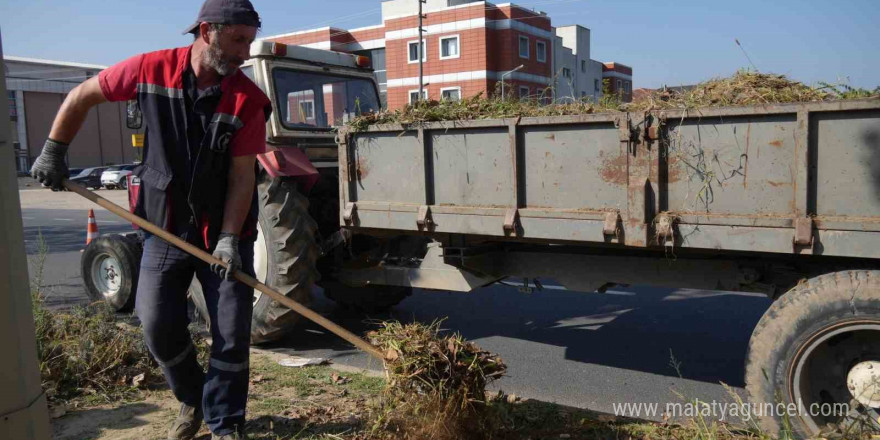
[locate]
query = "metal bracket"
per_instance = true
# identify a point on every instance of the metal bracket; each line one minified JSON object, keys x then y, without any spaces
{"x":511,"y":221}
{"x":803,"y":231}
{"x":612,"y":220}
{"x":665,"y":228}
{"x":424,"y":220}
{"x":624,"y":126}
{"x":350,"y":213}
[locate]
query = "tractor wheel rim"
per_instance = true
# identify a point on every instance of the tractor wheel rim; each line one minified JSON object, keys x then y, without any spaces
{"x":822,"y":366}
{"x":261,"y":260}
{"x":106,"y":275}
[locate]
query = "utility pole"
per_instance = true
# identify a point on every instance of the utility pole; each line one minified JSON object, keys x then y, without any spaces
{"x":23,"y":411}
{"x":421,"y":52}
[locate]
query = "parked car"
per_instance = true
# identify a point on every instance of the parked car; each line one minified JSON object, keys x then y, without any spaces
{"x":75,"y":171}
{"x":89,"y":177}
{"x":115,"y":176}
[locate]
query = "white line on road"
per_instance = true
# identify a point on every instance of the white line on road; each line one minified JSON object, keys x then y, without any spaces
{"x":63,"y":219}
{"x":27,"y":218}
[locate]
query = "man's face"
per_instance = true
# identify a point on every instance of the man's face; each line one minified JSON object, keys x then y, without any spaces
{"x":229,"y":48}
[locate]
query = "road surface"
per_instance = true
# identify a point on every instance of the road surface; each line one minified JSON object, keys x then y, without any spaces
{"x":635,"y":346}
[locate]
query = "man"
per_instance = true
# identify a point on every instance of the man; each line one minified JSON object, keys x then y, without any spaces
{"x":205,"y":124}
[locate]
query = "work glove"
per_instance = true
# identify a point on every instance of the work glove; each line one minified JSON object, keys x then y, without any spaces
{"x":227,"y":252}
{"x":50,"y":169}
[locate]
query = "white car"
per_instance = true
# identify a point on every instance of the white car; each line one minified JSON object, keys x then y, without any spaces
{"x":116,"y":176}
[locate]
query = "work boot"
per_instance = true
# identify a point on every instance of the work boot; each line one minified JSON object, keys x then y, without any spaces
{"x":187,"y":423}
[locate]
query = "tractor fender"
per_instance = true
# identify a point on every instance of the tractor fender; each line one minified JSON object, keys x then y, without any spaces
{"x":290,"y":162}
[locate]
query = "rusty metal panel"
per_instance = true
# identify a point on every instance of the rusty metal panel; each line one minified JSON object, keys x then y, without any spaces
{"x":388,"y":167}
{"x":846,"y":146}
{"x":473,"y":167}
{"x":732,"y":165}
{"x":574,"y":167}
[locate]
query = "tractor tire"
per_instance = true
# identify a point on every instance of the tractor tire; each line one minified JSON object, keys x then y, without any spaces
{"x":813,"y":347}
{"x":285,"y":256}
{"x":110,"y":266}
{"x":368,"y":299}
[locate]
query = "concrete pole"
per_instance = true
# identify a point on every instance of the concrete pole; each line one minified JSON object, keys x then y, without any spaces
{"x":23,"y":411}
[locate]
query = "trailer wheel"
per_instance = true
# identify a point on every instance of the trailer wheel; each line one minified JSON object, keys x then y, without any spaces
{"x":813,"y":363}
{"x":370,"y":299}
{"x":285,"y":254}
{"x":110,"y":265}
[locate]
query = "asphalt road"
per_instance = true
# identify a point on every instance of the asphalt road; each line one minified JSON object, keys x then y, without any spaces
{"x":587,"y":350}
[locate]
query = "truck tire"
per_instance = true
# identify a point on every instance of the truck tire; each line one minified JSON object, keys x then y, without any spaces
{"x":110,"y":266}
{"x":812,"y":348}
{"x":285,"y":256}
{"x":370,"y":299}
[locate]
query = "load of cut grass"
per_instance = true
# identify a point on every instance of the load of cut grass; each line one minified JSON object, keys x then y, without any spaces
{"x":741,"y":89}
{"x":85,"y":351}
{"x":748,"y":88}
{"x":436,"y":384}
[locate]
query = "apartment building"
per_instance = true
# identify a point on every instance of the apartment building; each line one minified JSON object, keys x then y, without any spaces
{"x":467,"y":48}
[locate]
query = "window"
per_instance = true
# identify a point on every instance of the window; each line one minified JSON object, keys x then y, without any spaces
{"x":307,"y":109}
{"x":413,"y":49}
{"x":584,"y":66}
{"x":330,"y":98}
{"x":566,"y":72}
{"x":449,"y":47}
{"x":523,"y":47}
{"x":13,"y":113}
{"x":541,"y":51}
{"x":596,"y":86}
{"x":414,"y":95}
{"x":523,"y":92}
{"x":619,"y":85}
{"x":451,"y":93}
{"x":626,"y":87}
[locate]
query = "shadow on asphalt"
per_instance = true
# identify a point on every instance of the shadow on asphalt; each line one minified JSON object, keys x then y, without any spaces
{"x":706,"y":333}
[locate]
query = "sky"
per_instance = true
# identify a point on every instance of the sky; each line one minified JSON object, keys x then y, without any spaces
{"x":666,"y":42}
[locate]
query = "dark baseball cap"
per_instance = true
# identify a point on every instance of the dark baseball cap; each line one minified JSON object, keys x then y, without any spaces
{"x":226,"y":12}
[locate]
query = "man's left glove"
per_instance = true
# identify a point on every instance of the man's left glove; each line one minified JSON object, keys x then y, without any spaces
{"x":50,"y":169}
{"x":227,"y":251}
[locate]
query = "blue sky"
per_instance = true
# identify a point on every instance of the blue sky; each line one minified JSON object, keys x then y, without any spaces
{"x":666,"y":42}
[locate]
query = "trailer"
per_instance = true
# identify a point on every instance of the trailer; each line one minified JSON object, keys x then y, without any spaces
{"x":780,"y":199}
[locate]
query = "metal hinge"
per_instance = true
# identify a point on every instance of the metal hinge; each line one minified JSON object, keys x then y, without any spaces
{"x":611,"y":226}
{"x":803,"y":231}
{"x":665,"y":228}
{"x":424,"y":220}
{"x":511,"y":221}
{"x":349,"y":214}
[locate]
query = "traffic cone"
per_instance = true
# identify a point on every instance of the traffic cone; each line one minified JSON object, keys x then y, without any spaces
{"x":92,"y":229}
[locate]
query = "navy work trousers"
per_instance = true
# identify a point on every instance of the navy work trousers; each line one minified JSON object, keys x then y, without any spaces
{"x":161,"y":305}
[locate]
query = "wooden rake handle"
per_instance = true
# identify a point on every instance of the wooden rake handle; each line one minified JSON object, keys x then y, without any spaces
{"x":239,"y":275}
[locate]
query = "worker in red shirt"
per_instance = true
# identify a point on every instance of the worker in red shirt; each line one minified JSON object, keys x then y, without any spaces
{"x":205,"y":124}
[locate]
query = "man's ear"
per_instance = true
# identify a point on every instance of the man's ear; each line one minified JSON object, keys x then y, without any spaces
{"x":205,"y":32}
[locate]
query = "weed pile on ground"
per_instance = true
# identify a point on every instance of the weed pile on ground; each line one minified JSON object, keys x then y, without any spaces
{"x":741,"y":89}
{"x":436,"y":384}
{"x":85,"y":351}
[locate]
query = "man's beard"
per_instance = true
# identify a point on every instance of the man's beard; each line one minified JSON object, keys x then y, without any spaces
{"x":215,"y":59}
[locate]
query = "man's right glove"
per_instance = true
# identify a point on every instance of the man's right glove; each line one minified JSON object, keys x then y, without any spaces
{"x":50,"y":169}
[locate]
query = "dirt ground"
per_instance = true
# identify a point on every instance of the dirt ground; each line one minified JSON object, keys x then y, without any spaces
{"x":33,"y":195}
{"x":284,"y":402}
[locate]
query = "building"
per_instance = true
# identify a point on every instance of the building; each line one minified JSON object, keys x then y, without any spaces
{"x":468,"y":47}
{"x":36,"y":89}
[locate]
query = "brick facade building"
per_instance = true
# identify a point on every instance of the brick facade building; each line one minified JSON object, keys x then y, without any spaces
{"x":467,"y":47}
